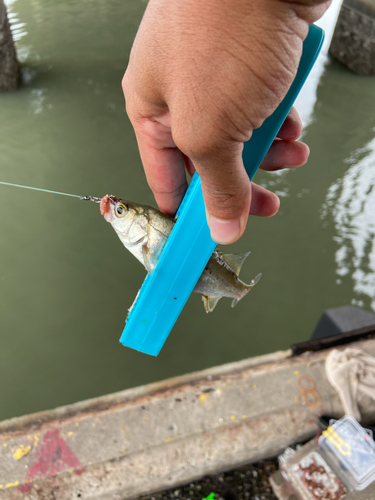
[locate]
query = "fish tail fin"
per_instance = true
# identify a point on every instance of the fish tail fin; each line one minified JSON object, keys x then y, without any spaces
{"x":247,"y":288}
{"x":210,"y":301}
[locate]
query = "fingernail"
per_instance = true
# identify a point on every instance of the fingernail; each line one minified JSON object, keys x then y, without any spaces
{"x":224,"y":231}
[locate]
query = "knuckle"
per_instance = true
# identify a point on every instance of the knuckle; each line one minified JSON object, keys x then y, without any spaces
{"x":198,"y":146}
{"x":198,"y":138}
{"x":125,"y":83}
{"x":128,"y":108}
{"x":169,"y":187}
{"x":228,"y":201}
{"x":225,"y":201}
{"x":202,"y":128}
{"x":130,"y":105}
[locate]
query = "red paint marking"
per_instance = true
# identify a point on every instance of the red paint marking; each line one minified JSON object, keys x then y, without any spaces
{"x":25,"y":488}
{"x":53,"y":456}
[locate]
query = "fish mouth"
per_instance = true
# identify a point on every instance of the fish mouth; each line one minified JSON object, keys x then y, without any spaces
{"x":106,"y":204}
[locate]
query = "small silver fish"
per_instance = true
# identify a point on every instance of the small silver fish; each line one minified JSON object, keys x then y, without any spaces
{"x":144,"y":231}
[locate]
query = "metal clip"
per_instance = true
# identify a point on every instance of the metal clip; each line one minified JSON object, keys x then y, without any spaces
{"x":90,"y":198}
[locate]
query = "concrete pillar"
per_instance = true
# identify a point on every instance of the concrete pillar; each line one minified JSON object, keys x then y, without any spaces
{"x":9,"y":73}
{"x":353,"y":41}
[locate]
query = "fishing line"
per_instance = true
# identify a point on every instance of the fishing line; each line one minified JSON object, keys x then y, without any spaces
{"x":88,"y":198}
{"x":38,"y":189}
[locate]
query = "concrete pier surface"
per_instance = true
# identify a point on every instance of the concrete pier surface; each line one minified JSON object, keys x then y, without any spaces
{"x":9,"y":72}
{"x":353,"y":41}
{"x":164,"y":434}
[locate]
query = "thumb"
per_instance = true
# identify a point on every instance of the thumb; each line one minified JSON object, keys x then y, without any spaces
{"x":227,"y":193}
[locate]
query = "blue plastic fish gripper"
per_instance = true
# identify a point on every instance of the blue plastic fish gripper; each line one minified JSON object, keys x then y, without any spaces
{"x":189,"y":247}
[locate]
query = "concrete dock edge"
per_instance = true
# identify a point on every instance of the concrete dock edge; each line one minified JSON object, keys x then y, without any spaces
{"x":164,"y":434}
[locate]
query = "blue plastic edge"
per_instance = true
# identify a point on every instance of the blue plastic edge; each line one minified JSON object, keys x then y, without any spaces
{"x":189,"y":247}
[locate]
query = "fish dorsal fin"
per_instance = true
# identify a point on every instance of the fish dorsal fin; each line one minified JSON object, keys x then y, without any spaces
{"x":210,"y":302}
{"x":234,"y":260}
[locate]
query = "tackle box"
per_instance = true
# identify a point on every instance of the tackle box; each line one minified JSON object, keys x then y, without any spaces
{"x":338,"y":465}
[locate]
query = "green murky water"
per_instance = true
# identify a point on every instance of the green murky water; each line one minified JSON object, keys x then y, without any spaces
{"x":65,"y":279}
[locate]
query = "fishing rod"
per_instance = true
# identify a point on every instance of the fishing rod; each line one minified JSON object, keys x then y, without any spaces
{"x":83,"y":198}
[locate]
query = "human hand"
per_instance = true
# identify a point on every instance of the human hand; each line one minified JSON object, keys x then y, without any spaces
{"x":201,"y":77}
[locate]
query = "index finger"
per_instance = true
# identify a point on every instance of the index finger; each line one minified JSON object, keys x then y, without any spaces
{"x":163,"y":163}
{"x":292,"y":127}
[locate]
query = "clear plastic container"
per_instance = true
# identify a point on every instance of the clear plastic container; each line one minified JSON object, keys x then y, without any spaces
{"x":339,"y":465}
{"x":350,"y":448}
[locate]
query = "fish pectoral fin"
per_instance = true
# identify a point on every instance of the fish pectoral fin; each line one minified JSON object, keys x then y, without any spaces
{"x":210,"y":302}
{"x":147,"y":259}
{"x":234,"y":260}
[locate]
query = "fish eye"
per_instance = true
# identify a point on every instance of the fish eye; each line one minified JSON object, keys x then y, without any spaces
{"x":120,"y":209}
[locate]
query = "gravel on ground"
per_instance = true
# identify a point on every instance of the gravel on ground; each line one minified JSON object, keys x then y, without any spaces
{"x":250,"y":482}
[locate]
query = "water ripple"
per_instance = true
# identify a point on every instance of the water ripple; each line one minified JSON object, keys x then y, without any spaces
{"x":351,"y":203}
{"x":17,"y":27}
